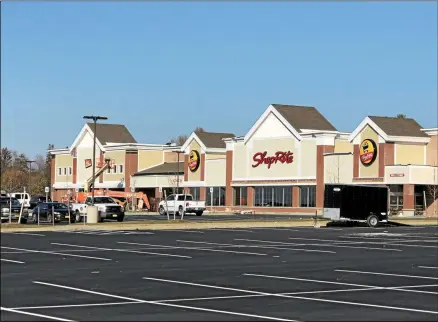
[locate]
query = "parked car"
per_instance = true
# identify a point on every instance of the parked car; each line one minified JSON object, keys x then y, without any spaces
{"x":49,"y":211}
{"x":12,"y":204}
{"x":36,"y":200}
{"x":107,"y":208}
{"x":23,"y":197}
{"x":181,"y":204}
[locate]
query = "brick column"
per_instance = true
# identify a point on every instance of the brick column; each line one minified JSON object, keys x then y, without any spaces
{"x":186,"y":168}
{"x":52,"y":171}
{"x":75,"y":169}
{"x":295,"y":196}
{"x":381,"y":156}
{"x":203,"y":193}
{"x":131,"y":167}
{"x":250,"y":193}
{"x":320,"y":150}
{"x":408,"y":199}
{"x":356,"y":152}
{"x":228,"y":178}
{"x":202,"y":166}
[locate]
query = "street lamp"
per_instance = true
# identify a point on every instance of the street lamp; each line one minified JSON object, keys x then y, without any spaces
{"x":29,"y":162}
{"x":95,"y":119}
{"x":177,"y":173}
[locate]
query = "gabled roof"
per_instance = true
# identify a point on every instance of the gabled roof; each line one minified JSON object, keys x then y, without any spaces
{"x":304,"y":117}
{"x":398,"y":126}
{"x":166,"y":168}
{"x":214,"y":139}
{"x":112,"y":133}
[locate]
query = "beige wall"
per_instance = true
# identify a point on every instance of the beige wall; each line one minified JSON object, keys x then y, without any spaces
{"x":239,"y":160}
{"x":149,"y":158}
{"x":308,"y":158}
{"x":432,"y":151}
{"x":215,"y":156}
{"x":215,"y":172}
{"x":371,"y":171}
{"x":119,"y":159}
{"x":409,"y":154}
{"x":195,"y":176}
{"x":343,"y":146}
{"x":173,"y":157}
{"x":424,"y":175}
{"x":400,"y":175}
{"x":338,"y":168}
{"x":85,"y":151}
{"x":63,"y":161}
{"x":163,"y":181}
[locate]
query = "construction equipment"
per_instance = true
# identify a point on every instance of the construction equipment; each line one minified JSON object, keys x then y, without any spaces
{"x":120,"y":195}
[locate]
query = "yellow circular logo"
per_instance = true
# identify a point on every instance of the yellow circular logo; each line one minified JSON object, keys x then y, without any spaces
{"x":194,"y":160}
{"x":367,"y":152}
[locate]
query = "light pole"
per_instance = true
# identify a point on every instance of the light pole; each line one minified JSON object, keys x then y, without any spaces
{"x":29,"y":162}
{"x":95,"y":119}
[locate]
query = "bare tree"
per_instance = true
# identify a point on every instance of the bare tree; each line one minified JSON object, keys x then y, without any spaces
{"x":432,"y":192}
{"x":181,"y":139}
{"x":401,"y":116}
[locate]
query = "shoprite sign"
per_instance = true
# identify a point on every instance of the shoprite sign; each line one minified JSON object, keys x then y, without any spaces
{"x":279,"y":156}
{"x":367,"y":152}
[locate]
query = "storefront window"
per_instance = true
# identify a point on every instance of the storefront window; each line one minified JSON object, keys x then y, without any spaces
{"x":195,"y":192}
{"x":308,"y":196}
{"x":273,"y":196}
{"x":218,"y":196}
{"x":240,"y":196}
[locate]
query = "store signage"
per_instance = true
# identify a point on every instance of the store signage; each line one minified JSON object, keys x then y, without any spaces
{"x":397,"y":175}
{"x":367,"y":152}
{"x":87,"y":163}
{"x":194,"y":160}
{"x":280,"y":156}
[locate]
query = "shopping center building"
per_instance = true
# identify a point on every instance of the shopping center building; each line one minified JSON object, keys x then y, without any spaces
{"x":280,"y":165}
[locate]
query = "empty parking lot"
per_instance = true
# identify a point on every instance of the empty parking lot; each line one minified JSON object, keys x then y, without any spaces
{"x":284,"y":274}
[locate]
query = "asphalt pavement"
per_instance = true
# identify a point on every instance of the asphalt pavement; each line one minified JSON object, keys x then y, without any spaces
{"x":281,"y":274}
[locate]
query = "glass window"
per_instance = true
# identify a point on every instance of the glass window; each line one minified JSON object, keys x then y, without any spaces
{"x":287,"y":197}
{"x":258,"y":196}
{"x":278,"y":196}
{"x":59,"y":171}
{"x":195,"y":192}
{"x":171,"y":197}
{"x":217,"y":196}
{"x":240,"y":196}
{"x":115,"y":168}
{"x":120,"y":168}
{"x":308,"y":196}
{"x":65,"y":171}
{"x":69,"y":170}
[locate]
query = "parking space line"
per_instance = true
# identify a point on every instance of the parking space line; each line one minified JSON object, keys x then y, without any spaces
{"x":123,"y":250}
{"x":294,"y":297}
{"x":197,"y":248}
{"x":318,"y":245}
{"x":183,"y":231}
{"x":385,"y":274}
{"x":429,"y":267}
{"x":260,"y":246}
{"x":232,"y":230}
{"x":73,"y":305}
{"x":30,"y":234}
{"x":56,"y":253}
{"x":35,"y":314}
{"x":284,"y":229}
{"x":163,"y":304}
{"x":11,"y":261}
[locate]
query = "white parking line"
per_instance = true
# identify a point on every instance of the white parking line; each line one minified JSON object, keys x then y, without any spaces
{"x":30,"y":234}
{"x":293,"y":297}
{"x":386,"y":274}
{"x":318,"y":245}
{"x":122,"y":250}
{"x":56,"y":253}
{"x":35,"y":314}
{"x":163,"y":304}
{"x":232,"y":230}
{"x":284,"y":229}
{"x":11,"y":261}
{"x":260,"y":246}
{"x":430,"y":267}
{"x":183,"y":231}
{"x":197,"y":248}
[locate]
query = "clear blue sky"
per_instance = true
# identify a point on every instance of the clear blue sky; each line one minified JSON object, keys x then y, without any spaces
{"x":164,"y":68}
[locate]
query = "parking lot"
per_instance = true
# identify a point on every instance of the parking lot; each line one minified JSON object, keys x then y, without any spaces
{"x":283,"y":274}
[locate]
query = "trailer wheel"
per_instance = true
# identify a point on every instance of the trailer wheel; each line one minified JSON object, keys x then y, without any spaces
{"x":373,"y":221}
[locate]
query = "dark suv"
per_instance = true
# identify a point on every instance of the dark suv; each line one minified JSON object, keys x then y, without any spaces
{"x":36,"y":200}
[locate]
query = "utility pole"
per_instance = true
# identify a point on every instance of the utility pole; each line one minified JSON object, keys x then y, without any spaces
{"x":95,"y":119}
{"x":29,"y":163}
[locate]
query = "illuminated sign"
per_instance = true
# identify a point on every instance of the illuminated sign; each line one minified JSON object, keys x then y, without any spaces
{"x":194,"y":160}
{"x":87,"y":163}
{"x":280,"y":156}
{"x":367,"y":152}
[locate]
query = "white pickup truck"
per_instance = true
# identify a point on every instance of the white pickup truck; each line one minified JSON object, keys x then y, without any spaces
{"x":181,"y":204}
{"x":107,"y":208}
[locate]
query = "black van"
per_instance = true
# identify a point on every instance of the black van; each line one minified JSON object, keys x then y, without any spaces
{"x":356,"y":203}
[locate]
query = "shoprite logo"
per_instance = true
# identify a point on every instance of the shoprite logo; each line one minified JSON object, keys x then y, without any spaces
{"x":367,"y":152}
{"x":194,"y":160}
{"x":282,"y":157}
